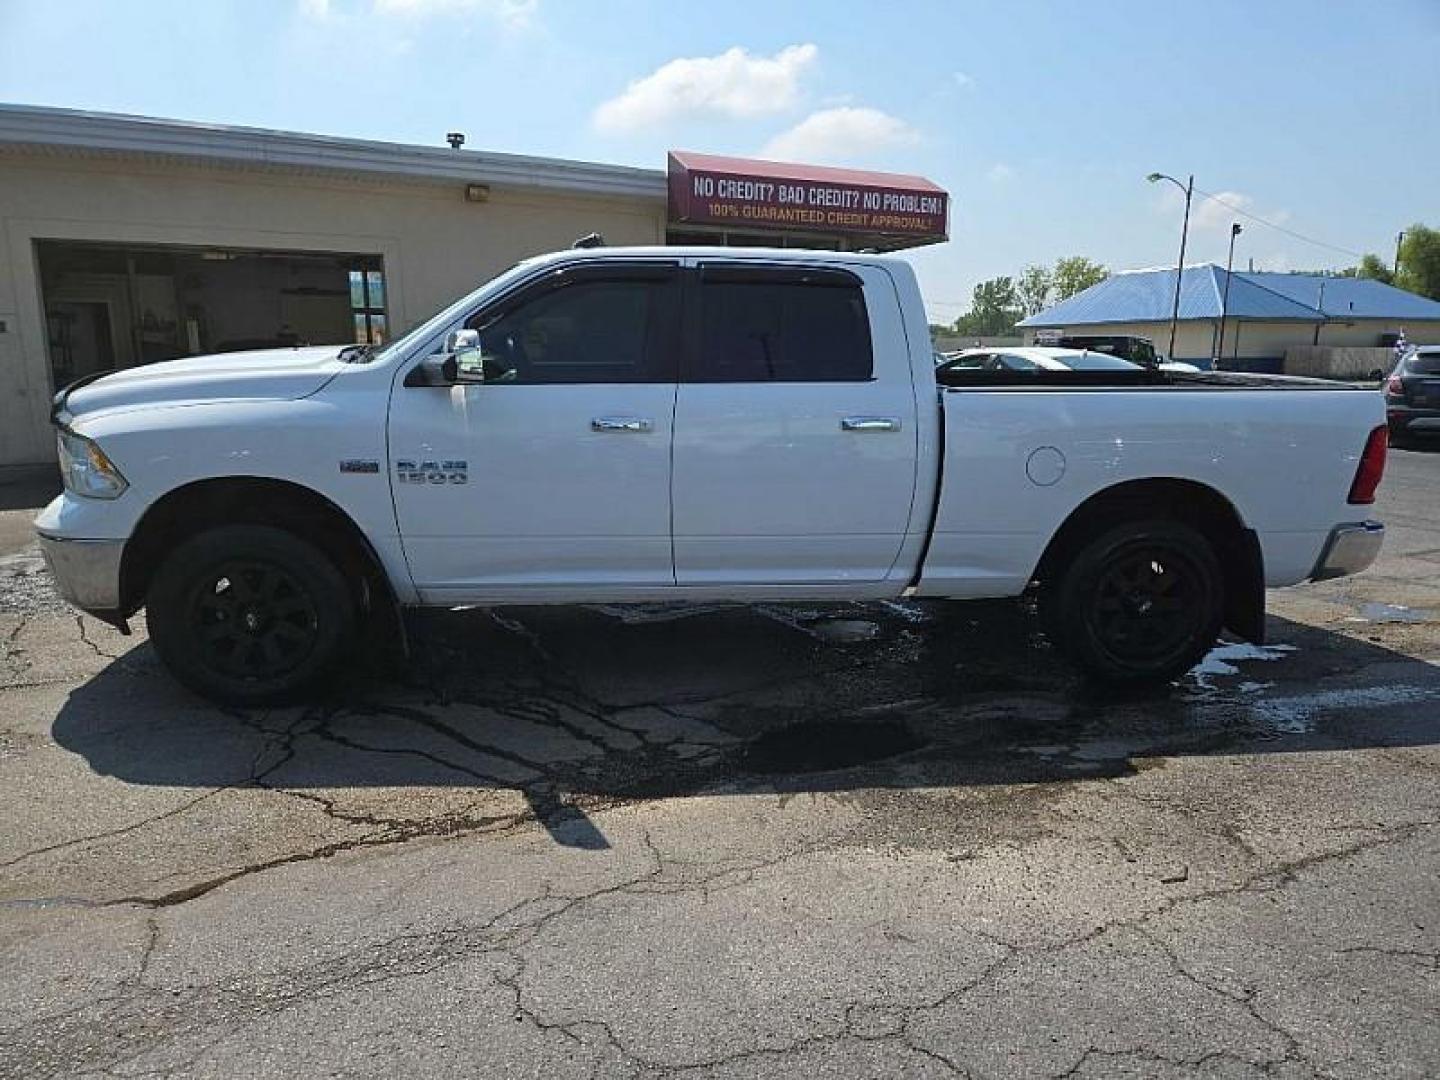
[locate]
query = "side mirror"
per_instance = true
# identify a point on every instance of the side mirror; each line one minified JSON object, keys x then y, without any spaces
{"x":460,"y":340}
{"x":464,"y":346}
{"x":458,"y":361}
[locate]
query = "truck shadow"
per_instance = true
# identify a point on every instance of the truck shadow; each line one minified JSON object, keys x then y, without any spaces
{"x":582,"y":707}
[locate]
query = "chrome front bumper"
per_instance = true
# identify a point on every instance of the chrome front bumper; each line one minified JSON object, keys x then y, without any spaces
{"x":87,"y":572}
{"x":1350,"y":549}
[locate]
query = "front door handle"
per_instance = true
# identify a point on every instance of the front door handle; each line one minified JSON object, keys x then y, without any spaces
{"x":634,"y":424}
{"x":869,"y":423}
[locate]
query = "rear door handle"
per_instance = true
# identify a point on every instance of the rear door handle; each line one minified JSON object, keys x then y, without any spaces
{"x":635,"y":424}
{"x":869,"y":423}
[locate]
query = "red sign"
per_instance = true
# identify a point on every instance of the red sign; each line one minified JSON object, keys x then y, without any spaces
{"x":707,"y":190}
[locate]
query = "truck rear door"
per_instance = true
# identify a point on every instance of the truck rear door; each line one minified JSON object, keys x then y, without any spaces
{"x":795,"y":442}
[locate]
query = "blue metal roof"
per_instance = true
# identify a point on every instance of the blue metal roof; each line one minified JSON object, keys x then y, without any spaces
{"x":1349,"y":298}
{"x":1148,"y":296}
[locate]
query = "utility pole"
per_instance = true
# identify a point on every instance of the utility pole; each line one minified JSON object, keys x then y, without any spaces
{"x":1399,"y":243}
{"x":1189,"y":190}
{"x":1235,"y":230}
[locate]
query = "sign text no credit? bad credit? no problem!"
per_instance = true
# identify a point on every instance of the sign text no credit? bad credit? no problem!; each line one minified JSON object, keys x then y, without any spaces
{"x":814,"y":195}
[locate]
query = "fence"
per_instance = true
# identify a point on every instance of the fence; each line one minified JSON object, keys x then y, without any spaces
{"x":1334,"y":362}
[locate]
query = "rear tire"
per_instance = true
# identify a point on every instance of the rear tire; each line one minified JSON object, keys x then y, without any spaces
{"x":250,"y":615}
{"x":1141,"y":604}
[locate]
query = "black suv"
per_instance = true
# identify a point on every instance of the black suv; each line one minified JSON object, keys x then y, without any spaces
{"x":1412,"y":396}
{"x":1137,"y":350}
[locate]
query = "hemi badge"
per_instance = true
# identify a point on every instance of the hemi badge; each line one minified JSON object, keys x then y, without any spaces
{"x":359,"y":465}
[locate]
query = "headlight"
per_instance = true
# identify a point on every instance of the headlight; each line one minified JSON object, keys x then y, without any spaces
{"x":86,"y":470}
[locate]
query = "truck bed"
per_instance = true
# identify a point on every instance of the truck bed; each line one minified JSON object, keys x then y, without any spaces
{"x":1024,"y":451}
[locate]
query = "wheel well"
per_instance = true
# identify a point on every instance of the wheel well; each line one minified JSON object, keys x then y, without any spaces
{"x":1197,"y":505}
{"x":249,"y":500}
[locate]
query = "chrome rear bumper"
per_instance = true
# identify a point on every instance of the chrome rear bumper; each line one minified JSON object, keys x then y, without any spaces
{"x":87,"y":572}
{"x":1350,"y":549}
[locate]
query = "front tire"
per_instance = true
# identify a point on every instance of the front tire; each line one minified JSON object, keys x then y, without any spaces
{"x":1141,"y":604}
{"x":250,"y":615}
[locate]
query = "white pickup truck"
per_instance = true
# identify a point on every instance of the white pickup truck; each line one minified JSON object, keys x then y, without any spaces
{"x":662,"y":424}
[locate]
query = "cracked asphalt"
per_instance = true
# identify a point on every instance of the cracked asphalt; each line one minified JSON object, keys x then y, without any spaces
{"x":888,"y":840}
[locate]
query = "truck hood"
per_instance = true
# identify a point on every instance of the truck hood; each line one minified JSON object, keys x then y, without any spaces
{"x":266,"y":374}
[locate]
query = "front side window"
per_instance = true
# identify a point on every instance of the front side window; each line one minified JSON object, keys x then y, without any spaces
{"x":782,"y":326}
{"x":585,"y":331}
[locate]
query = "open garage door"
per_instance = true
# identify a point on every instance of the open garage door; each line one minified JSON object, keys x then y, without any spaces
{"x":114,"y":306}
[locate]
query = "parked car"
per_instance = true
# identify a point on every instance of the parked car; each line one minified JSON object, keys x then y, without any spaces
{"x":1055,"y":358}
{"x":701,"y":424}
{"x":1412,"y":396}
{"x":1139,"y":350}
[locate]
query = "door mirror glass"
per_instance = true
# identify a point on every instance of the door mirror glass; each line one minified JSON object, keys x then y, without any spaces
{"x":469,"y":364}
{"x":463,"y":347}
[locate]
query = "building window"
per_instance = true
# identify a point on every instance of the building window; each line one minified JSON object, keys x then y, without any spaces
{"x":367,"y":307}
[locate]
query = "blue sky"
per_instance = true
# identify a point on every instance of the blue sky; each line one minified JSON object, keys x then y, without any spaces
{"x":1041,"y":119}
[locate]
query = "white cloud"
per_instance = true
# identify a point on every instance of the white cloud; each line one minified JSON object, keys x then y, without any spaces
{"x":840,"y":135}
{"x":961,"y":79}
{"x":1000,"y":172}
{"x":1215,"y":215}
{"x":733,"y":84}
{"x":512,"y":14}
{"x":315,"y":9}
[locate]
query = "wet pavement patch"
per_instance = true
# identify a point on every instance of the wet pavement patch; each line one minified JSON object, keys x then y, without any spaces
{"x":824,"y":745}
{"x":845,"y":631}
{"x":1391,"y":613}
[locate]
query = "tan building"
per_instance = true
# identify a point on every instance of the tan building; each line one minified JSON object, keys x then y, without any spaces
{"x":126,"y":240}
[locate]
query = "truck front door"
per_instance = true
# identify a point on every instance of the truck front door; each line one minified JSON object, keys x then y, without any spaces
{"x":795,"y":434}
{"x":554,"y":472}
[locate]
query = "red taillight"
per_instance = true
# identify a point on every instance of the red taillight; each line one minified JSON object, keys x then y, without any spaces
{"x":1370,"y":469}
{"x":1394,"y":387}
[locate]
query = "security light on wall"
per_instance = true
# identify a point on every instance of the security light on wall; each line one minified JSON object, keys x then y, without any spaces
{"x":477,"y":192}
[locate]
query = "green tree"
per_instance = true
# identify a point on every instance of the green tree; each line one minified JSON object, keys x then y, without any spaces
{"x":1371,"y":266}
{"x":1419,"y":269}
{"x":1033,"y":290}
{"x":1075,"y":275}
{"x":994,"y":309}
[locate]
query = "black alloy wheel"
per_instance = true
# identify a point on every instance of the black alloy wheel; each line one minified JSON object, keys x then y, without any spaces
{"x":250,"y":614}
{"x":253,"y":620}
{"x":1142,"y":603}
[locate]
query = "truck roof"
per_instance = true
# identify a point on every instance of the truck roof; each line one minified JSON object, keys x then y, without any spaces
{"x":685,"y":251}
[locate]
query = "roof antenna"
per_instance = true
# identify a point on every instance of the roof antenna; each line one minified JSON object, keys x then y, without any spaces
{"x":592,"y":240}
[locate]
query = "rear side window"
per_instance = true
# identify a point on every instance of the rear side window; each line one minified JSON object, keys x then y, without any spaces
{"x":782,"y":325}
{"x":1424,"y":364}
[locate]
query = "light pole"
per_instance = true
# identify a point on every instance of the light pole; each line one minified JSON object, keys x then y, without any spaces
{"x":1189,"y":190}
{"x":1399,"y":244}
{"x":1235,"y":231}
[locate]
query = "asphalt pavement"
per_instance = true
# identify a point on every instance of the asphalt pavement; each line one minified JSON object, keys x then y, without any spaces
{"x":857,"y":840}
